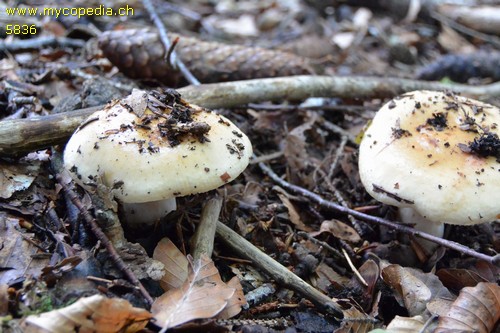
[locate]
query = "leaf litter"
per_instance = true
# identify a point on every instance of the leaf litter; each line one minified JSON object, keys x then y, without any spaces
{"x":40,"y":232}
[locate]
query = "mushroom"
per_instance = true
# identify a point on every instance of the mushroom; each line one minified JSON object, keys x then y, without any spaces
{"x":436,"y":156}
{"x":151,"y":148}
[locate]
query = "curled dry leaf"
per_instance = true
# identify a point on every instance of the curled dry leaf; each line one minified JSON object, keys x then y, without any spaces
{"x":414,"y":288}
{"x":456,"y":278}
{"x":295,"y":150}
{"x":293,"y":213}
{"x":203,"y":295}
{"x":477,"y":309}
{"x":90,"y":314}
{"x":51,"y":273}
{"x":370,"y":272}
{"x":176,"y":264}
{"x":327,"y":278}
{"x":338,"y":229}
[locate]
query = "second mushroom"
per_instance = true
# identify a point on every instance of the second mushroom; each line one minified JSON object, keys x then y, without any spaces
{"x":436,"y":156}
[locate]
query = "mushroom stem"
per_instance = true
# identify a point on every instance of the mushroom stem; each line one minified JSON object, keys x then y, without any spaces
{"x":410,"y":216}
{"x":147,"y":213}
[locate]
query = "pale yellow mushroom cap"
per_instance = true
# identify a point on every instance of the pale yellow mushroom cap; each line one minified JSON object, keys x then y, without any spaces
{"x":137,"y":157}
{"x":437,"y":153}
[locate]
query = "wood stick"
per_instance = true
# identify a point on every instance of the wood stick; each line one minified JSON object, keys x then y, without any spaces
{"x":21,"y":136}
{"x":203,"y":239}
{"x":277,"y":271}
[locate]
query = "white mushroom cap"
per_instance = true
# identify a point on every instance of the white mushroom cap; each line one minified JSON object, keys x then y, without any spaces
{"x":437,"y":153}
{"x":152,"y":158}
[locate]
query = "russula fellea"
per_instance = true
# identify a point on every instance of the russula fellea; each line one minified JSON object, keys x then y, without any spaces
{"x":150,"y":148}
{"x":435,"y":155}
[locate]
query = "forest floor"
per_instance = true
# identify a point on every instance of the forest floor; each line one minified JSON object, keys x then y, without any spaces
{"x":293,"y":244}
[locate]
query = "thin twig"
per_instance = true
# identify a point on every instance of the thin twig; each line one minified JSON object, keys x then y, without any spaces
{"x":92,"y":224}
{"x":338,"y":155}
{"x":23,"y":45}
{"x":168,"y":57}
{"x":267,"y":157}
{"x":162,"y":30}
{"x":354,"y":269}
{"x":378,"y":220}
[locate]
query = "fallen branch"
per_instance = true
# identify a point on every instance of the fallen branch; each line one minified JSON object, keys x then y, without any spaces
{"x":202,"y":241}
{"x":20,"y":136}
{"x":374,"y":219}
{"x":277,"y":271}
{"x":24,"y":135}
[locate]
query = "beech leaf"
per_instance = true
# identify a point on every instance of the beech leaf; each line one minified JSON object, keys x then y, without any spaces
{"x":477,"y":309}
{"x":90,"y":314}
{"x":203,"y":295}
{"x":236,"y":301}
{"x":293,"y":213}
{"x":338,"y":229}
{"x":176,"y":264}
{"x":415,"y":289}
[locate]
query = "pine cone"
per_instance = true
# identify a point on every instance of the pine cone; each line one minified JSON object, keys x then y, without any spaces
{"x":140,"y":54}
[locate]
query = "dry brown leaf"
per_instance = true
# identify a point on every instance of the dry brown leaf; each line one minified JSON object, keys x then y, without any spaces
{"x":355,"y":321}
{"x":477,"y":309}
{"x":251,"y":193}
{"x":439,"y":306}
{"x":295,"y":151}
{"x":90,"y":314}
{"x":454,"y":42}
{"x":405,"y":325}
{"x":203,"y":295}
{"x":487,"y":270}
{"x":338,"y":229}
{"x":414,"y":288}
{"x":293,"y":213}
{"x":328,"y":278}
{"x":15,"y":178}
{"x":176,"y":264}
{"x":370,"y":272}
{"x":456,"y":278}
{"x":236,"y":301}
{"x":50,"y":274}
{"x":16,"y":254}
{"x":137,"y":101}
